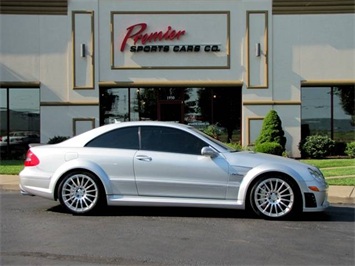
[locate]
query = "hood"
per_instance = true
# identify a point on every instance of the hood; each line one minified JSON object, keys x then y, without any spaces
{"x":253,"y":159}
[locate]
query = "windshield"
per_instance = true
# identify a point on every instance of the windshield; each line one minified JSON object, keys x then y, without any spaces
{"x":218,"y":143}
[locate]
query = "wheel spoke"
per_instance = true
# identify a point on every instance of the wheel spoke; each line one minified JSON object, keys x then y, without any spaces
{"x":82,"y":203}
{"x":280,"y":187}
{"x":267,"y":188}
{"x":282,"y":203}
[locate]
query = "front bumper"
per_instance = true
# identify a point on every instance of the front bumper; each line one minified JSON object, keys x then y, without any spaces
{"x":316,"y":201}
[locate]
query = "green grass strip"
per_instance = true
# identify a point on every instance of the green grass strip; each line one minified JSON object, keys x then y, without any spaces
{"x":11,"y":167}
{"x":327,"y":163}
{"x":347,"y":181}
{"x":329,"y":172}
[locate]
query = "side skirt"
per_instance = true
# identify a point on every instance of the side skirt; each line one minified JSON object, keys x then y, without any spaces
{"x":119,"y":200}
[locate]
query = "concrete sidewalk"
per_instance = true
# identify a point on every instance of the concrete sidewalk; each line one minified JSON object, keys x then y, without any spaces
{"x":336,"y":194}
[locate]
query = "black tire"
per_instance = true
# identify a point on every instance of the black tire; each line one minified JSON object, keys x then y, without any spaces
{"x":275,"y":196}
{"x":80,"y":192}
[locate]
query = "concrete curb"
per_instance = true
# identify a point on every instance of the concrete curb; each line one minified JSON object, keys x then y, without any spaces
{"x":9,"y":182}
{"x":336,"y":194}
{"x":341,"y":194}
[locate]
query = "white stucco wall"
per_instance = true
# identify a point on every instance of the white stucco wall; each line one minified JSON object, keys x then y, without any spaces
{"x":237,"y":11}
{"x":312,"y":48}
{"x":300,"y":47}
{"x":35,"y":48}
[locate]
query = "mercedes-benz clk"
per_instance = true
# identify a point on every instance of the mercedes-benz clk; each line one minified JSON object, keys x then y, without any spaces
{"x":168,"y":164}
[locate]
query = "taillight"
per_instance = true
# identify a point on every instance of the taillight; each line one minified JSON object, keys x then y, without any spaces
{"x":31,"y":159}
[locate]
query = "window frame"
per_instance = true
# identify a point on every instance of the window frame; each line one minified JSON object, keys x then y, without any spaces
{"x":332,"y":88}
{"x":184,"y":134}
{"x":114,"y":132}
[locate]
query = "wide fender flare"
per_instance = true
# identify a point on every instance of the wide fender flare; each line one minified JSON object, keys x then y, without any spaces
{"x":81,"y":164}
{"x":262,"y":169}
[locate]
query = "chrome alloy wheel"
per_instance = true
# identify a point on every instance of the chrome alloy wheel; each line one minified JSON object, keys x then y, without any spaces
{"x":79,"y":193}
{"x":273,"y":197}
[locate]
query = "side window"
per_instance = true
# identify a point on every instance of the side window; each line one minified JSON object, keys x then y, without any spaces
{"x":173,"y":140}
{"x":123,"y":138}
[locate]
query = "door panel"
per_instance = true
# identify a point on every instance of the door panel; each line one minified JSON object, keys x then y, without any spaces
{"x":180,"y":175}
{"x":170,"y":164}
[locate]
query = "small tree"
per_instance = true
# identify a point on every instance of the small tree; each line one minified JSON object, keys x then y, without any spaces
{"x":271,"y":130}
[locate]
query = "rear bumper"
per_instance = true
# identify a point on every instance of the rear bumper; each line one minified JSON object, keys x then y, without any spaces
{"x":24,"y":192}
{"x":33,"y":185}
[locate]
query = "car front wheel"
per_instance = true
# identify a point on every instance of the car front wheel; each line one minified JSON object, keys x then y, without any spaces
{"x":274,"y":197}
{"x":79,"y":192}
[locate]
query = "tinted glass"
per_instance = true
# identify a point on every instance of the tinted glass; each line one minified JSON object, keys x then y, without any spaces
{"x":144,"y":104}
{"x":316,"y":111}
{"x":19,"y":120}
{"x":329,"y":111}
{"x":217,"y":110}
{"x":170,"y":140}
{"x":114,"y":105}
{"x":3,"y":114}
{"x":123,"y":138}
{"x":344,"y":113}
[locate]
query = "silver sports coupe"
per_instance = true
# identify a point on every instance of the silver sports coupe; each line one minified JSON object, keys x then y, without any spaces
{"x":168,"y":164}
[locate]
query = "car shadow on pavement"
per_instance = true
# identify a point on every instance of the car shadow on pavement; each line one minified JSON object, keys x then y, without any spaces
{"x":163,"y":212}
{"x":332,"y":214}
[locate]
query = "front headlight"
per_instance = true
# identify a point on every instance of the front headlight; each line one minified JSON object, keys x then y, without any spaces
{"x":317,"y":174}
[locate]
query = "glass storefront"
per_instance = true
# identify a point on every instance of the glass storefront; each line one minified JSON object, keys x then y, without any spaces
{"x":20,"y":120}
{"x":329,"y":111}
{"x":199,"y":107}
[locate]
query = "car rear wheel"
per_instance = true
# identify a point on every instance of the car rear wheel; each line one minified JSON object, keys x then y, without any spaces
{"x":274,"y":197}
{"x":79,"y":192}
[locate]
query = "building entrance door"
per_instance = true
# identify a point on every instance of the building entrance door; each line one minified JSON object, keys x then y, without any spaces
{"x":170,"y":111}
{"x":170,"y":104}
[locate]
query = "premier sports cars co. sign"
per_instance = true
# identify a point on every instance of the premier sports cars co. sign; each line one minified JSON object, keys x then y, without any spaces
{"x":158,"y":41}
{"x":170,"y":40}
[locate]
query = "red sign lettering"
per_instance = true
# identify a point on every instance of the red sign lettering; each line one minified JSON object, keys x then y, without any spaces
{"x":137,"y":33}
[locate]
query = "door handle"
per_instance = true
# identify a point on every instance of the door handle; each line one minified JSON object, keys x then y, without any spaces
{"x":144,"y":158}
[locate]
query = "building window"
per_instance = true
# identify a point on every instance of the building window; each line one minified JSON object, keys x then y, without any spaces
{"x":199,"y":107}
{"x":329,"y":111}
{"x":20,"y":120}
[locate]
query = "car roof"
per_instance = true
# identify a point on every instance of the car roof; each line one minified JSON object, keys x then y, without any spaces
{"x":82,"y":139}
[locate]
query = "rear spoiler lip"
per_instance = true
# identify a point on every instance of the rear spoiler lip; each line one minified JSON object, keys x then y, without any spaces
{"x":36,"y":144}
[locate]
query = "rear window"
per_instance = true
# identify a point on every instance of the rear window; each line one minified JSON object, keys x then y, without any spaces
{"x":122,"y":138}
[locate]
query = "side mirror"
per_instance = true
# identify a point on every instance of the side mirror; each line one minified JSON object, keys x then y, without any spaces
{"x":208,"y":151}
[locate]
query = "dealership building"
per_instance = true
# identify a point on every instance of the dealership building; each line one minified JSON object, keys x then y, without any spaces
{"x":67,"y":66}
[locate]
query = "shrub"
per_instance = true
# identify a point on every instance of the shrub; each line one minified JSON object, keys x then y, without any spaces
{"x":350,"y":149}
{"x":269,"y":147}
{"x":317,"y":146}
{"x":57,"y":139}
{"x":212,"y":131}
{"x":272,"y":131}
{"x":235,"y":145}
